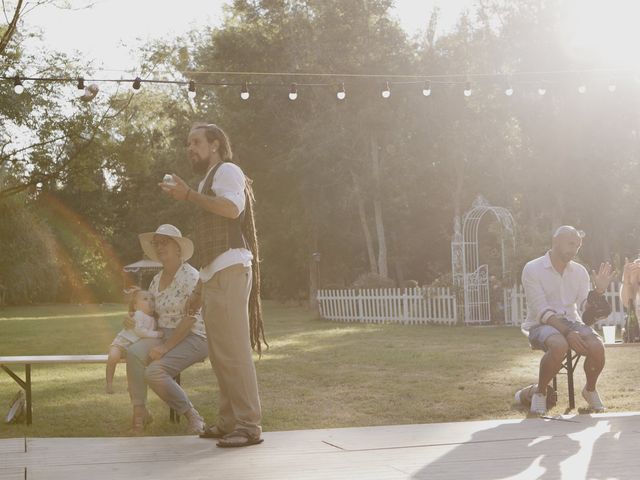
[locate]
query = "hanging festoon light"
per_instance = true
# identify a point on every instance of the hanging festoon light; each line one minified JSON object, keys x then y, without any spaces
{"x":509,"y":90}
{"x":80,"y":87}
{"x":293,"y":91}
{"x":542,"y":90}
{"x":612,"y":86}
{"x":137,"y":83}
{"x":386,"y":92}
{"x":191,"y":90}
{"x":426,"y":88}
{"x":467,"y":89}
{"x":90,"y":93}
{"x":582,"y":88}
{"x":341,"y":95}
{"x":244,"y":92}
{"x":17,"y":85}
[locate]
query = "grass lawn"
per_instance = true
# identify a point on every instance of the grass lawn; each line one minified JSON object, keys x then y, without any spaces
{"x":317,"y":374}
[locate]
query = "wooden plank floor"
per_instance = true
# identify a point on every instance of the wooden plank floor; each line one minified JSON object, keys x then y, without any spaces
{"x":602,"y":446}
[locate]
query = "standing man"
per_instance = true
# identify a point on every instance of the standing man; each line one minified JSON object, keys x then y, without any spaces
{"x":229,"y":287}
{"x":560,"y":310}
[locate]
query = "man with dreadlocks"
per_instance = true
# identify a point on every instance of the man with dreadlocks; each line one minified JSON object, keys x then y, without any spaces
{"x":229,"y":287}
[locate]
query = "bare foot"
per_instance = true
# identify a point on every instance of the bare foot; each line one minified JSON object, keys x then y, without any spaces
{"x":109,"y":389}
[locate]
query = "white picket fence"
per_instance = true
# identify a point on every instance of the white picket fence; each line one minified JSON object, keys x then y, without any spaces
{"x":398,"y":305}
{"x":427,"y":305}
{"x":518,"y":302}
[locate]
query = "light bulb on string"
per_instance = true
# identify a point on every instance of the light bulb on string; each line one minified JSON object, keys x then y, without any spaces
{"x":542,"y":91}
{"x":426,"y":88}
{"x":293,"y":92}
{"x":244,"y":93}
{"x":386,"y":93}
{"x":508,"y":91}
{"x":80,"y":87}
{"x":191,"y":91}
{"x":582,"y":89}
{"x":467,"y":89}
{"x":612,"y":87}
{"x":17,"y":85}
{"x":341,"y":95}
{"x":137,"y":83}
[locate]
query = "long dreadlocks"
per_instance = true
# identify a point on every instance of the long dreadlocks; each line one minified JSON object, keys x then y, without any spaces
{"x":255,"y":305}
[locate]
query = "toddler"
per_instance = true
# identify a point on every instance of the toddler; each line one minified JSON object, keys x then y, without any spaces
{"x":142,"y":306}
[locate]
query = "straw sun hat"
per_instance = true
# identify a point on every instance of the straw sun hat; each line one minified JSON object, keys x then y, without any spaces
{"x":146,"y":239}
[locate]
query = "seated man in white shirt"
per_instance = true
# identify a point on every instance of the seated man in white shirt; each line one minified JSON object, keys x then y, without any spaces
{"x":560,"y":310}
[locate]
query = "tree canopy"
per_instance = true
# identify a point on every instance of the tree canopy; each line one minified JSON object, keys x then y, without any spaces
{"x":372,"y":184}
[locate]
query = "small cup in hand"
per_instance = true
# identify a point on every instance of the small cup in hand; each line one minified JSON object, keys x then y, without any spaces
{"x":168,"y":179}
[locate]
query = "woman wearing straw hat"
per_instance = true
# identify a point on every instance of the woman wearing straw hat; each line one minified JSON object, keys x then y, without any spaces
{"x":154,"y":362}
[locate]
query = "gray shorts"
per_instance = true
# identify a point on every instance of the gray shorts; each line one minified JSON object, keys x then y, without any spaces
{"x":538,"y":335}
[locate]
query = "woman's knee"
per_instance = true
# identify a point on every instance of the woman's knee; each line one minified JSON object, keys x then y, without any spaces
{"x":154,"y":373}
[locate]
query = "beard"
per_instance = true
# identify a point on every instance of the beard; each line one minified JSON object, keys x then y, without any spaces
{"x":200,"y":165}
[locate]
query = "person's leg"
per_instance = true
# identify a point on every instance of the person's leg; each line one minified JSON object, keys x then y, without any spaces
{"x":214,"y":306}
{"x":160,"y":374}
{"x":137,"y":360}
{"x":227,"y":322}
{"x":551,"y":362}
{"x":594,"y":361}
{"x":112,"y":360}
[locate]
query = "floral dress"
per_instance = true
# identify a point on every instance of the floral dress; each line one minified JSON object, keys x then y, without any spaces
{"x":170,"y":302}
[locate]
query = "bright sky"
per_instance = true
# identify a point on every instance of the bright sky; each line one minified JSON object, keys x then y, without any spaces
{"x":108,"y":30}
{"x":107,"y":33}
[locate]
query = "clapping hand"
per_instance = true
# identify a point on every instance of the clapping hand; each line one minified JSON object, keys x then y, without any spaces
{"x":631,"y":272}
{"x":603,"y":277}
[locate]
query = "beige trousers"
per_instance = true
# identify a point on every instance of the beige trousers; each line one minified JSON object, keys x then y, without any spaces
{"x":226,"y":318}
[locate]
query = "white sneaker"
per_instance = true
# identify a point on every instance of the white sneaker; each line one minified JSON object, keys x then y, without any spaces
{"x":196,"y":422}
{"x":538,"y":404}
{"x":593,"y":399}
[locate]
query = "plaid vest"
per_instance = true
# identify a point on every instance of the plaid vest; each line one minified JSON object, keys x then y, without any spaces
{"x":215,"y":234}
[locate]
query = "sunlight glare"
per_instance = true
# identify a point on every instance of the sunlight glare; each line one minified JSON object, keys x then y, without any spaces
{"x":605,"y":32}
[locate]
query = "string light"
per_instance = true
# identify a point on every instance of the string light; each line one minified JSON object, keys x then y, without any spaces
{"x":508,"y":91}
{"x":244,"y":93}
{"x":453,"y":80}
{"x":386,"y":93}
{"x":192,"y":90}
{"x":293,"y":92}
{"x":17,"y":85}
{"x":426,"y":88}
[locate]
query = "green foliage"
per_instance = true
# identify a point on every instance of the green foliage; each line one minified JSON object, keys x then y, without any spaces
{"x":321,"y":166}
{"x":29,"y":267}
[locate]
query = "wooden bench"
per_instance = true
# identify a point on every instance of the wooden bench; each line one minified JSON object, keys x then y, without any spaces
{"x":30,"y":360}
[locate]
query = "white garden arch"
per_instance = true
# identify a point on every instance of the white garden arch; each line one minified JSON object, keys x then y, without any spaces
{"x":471,"y":278}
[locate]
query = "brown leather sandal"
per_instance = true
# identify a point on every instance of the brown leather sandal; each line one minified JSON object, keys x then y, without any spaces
{"x":140,"y":420}
{"x":239,"y":438}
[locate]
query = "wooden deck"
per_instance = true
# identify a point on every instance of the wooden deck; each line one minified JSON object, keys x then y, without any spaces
{"x":604,"y":446}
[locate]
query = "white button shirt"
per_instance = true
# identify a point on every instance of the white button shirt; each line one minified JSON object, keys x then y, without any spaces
{"x":228,"y":182}
{"x":549,"y":293}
